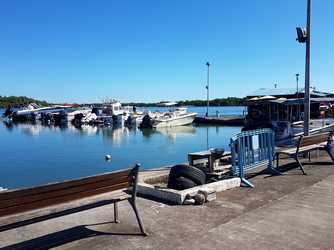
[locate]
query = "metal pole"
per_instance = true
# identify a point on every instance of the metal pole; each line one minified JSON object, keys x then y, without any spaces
{"x":307,"y":72}
{"x":298,"y":107}
{"x":207,"y":90}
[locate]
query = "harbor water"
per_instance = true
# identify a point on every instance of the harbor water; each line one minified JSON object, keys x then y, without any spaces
{"x":33,"y":154}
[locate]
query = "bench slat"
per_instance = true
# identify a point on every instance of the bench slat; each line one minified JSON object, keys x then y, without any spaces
{"x":65,"y":208}
{"x":123,"y":181}
{"x":58,"y":200}
{"x":314,"y":139}
{"x":292,"y":151}
{"x":13,"y":194}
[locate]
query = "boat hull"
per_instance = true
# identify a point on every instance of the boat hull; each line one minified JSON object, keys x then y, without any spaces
{"x":174,"y":121}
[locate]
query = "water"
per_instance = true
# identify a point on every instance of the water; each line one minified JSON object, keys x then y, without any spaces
{"x":35,"y":154}
{"x":225,"y":111}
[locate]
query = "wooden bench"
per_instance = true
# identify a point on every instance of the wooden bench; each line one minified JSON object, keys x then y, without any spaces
{"x":116,"y":186}
{"x":304,"y":144}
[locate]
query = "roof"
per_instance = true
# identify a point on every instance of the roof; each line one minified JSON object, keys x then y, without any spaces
{"x":271,"y":92}
{"x":285,"y":91}
{"x":313,"y":100}
{"x":292,"y":101}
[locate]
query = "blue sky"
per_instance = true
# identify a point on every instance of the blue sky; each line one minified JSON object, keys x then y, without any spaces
{"x":152,"y":50}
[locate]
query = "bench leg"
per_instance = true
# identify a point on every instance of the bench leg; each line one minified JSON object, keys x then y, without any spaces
{"x":116,"y":212}
{"x":300,"y":165}
{"x":133,"y":205}
{"x":329,"y":154}
{"x":277,"y":160}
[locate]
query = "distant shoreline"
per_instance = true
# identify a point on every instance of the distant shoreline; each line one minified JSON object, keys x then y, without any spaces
{"x":19,"y":101}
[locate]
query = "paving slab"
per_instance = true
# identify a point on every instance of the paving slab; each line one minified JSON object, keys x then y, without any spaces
{"x":291,"y":211}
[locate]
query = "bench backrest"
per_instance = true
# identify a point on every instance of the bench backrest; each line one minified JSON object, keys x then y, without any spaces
{"x":313,"y":139}
{"x":22,"y":200}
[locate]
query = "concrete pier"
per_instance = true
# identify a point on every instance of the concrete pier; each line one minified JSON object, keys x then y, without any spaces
{"x":291,"y":211}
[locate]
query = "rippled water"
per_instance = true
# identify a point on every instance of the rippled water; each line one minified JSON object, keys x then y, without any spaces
{"x":36,"y":154}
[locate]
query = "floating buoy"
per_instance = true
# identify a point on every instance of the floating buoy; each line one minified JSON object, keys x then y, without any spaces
{"x":108,"y":157}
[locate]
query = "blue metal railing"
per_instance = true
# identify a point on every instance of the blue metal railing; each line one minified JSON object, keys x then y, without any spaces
{"x":252,"y":149}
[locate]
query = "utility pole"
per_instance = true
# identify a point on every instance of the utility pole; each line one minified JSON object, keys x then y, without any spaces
{"x":298,"y":107}
{"x":304,"y":36}
{"x":207,"y":89}
{"x":307,"y":72}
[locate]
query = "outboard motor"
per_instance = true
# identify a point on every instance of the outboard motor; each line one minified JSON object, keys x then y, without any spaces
{"x":8,"y":112}
{"x":147,"y":122}
{"x":77,"y":121}
{"x":129,"y":121}
{"x":46,"y":118}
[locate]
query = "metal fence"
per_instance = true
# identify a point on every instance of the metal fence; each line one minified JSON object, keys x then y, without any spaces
{"x":252,"y":149}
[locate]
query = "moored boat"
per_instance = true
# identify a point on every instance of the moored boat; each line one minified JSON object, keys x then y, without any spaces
{"x":176,"y":117}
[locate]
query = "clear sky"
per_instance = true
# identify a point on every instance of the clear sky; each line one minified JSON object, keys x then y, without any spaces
{"x":151,"y":50}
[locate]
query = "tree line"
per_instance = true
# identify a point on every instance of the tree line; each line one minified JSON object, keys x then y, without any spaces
{"x":229,"y":101}
{"x":18,"y":101}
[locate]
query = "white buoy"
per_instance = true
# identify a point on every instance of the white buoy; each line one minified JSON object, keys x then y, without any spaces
{"x":108,"y":157}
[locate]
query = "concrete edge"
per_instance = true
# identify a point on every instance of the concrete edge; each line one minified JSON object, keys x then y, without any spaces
{"x":178,"y":197}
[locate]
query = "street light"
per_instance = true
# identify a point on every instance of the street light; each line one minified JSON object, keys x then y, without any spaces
{"x":207,"y":89}
{"x":304,"y":36}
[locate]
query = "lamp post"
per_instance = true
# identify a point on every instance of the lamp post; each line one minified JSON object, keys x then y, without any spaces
{"x":298,"y":107}
{"x":207,"y":89}
{"x":304,"y":36}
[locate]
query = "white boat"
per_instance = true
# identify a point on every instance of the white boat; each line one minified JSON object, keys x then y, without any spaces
{"x":35,"y":109}
{"x":69,"y":115}
{"x":135,"y":119}
{"x":33,"y":112}
{"x":113,"y":113}
{"x":178,"y":117}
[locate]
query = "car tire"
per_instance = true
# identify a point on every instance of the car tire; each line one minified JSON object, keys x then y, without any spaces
{"x":181,"y":183}
{"x":190,"y":172}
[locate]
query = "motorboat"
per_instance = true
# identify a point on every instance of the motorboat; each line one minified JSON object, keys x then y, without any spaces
{"x":68,"y":115}
{"x":33,"y":112}
{"x":135,"y":119}
{"x":178,"y":117}
{"x":112,"y":113}
{"x":175,"y":117}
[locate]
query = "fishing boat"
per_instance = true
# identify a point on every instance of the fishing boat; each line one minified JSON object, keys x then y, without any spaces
{"x":135,"y":119}
{"x":175,"y":117}
{"x":68,"y":115}
{"x":178,"y":117}
{"x":33,"y":112}
{"x":112,"y":113}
